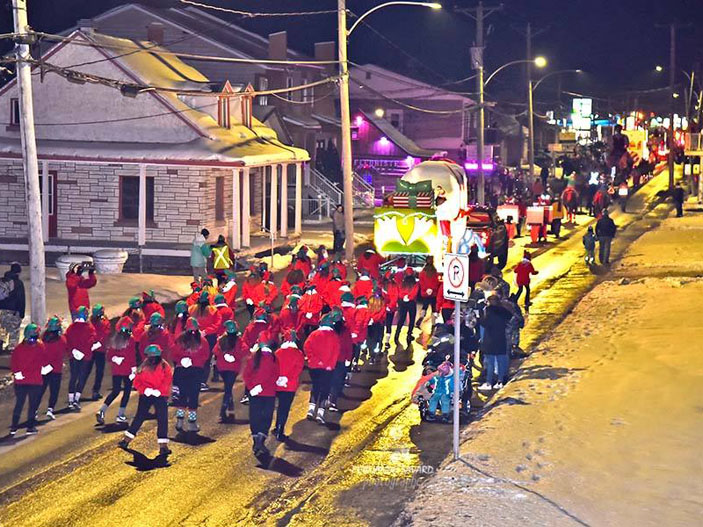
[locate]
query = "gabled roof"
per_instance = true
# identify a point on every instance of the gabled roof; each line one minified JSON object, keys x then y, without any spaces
{"x":396,"y":137}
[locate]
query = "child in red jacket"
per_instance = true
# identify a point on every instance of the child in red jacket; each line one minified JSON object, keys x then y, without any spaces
{"x":377,"y":316}
{"x":190,"y":354}
{"x":28,"y":363}
{"x":428,"y":285}
{"x":121,"y":355}
{"x":342,"y":370}
{"x":209,"y":321}
{"x":407,"y":305}
{"x":56,"y":349}
{"x":155,"y":333}
{"x":260,"y":375}
{"x":230,"y":355}
{"x":321,"y":350}
{"x":370,"y":261}
{"x":523,"y":271}
{"x":103,"y":328}
{"x":364,"y":285}
{"x":311,"y":305}
{"x":229,"y":288}
{"x":150,"y":305}
{"x":390,"y":290}
{"x":80,"y":337}
{"x":290,"y":365}
{"x":248,"y":287}
{"x":153,"y":382}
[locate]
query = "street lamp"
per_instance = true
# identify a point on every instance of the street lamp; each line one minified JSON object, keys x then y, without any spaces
{"x":343,"y":36}
{"x":540,"y":62}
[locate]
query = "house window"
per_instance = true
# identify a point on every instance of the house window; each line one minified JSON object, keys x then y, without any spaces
{"x":129,"y":198}
{"x":289,"y":84}
{"x":395,"y":117}
{"x":14,"y":111}
{"x":306,"y":92}
{"x":263,"y":86}
{"x":220,"y":199}
{"x":368,"y":75}
{"x":223,"y":116}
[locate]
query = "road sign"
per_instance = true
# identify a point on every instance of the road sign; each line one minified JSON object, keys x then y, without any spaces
{"x":456,"y":277}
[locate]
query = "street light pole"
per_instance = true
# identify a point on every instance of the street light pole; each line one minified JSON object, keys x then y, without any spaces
{"x":481,"y":181}
{"x":345,"y":114}
{"x":37,"y":268}
{"x":531,"y":126}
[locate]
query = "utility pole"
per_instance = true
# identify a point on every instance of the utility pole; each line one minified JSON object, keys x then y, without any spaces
{"x":479,"y":13}
{"x":672,"y":82}
{"x":31,"y":165}
{"x":345,"y":114}
{"x":530,"y":106}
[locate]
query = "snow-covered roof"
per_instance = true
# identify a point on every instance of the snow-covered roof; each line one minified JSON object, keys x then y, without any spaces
{"x":151,"y":65}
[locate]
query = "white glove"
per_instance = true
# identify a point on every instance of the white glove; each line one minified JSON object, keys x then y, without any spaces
{"x":186,"y":362}
{"x":406,"y":298}
{"x":249,"y":301}
{"x":428,"y":291}
{"x":282,"y":382}
{"x":347,"y":363}
{"x":151,"y":392}
{"x":308,"y":315}
{"x":77,"y":354}
{"x":228,"y":357}
{"x":228,"y":286}
{"x":118,"y":360}
{"x":46,"y":369}
{"x":256,"y":390}
{"x":133,"y":374}
{"x":19,"y":376}
{"x":354,"y":335}
{"x":370,"y":322}
{"x":96,"y":346}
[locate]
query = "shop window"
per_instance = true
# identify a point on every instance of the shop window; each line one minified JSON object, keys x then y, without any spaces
{"x":129,"y":198}
{"x":220,"y":199}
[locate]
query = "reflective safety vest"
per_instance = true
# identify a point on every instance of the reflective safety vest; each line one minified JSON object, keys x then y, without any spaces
{"x":220,"y":256}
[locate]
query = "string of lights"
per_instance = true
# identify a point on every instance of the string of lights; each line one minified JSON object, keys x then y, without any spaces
{"x":250,"y":14}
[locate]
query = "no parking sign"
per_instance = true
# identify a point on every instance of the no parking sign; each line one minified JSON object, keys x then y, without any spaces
{"x":456,"y":277}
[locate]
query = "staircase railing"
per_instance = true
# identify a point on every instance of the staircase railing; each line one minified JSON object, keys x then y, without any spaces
{"x":322,"y":185}
{"x":364,"y":193}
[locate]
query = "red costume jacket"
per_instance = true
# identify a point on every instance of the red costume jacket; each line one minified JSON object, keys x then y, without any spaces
{"x":322,"y":348}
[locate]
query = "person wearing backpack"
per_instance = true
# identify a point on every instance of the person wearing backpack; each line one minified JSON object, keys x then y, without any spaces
{"x":12,"y":307}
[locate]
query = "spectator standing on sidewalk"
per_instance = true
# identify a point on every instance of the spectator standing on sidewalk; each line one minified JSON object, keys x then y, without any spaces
{"x":12,"y":306}
{"x":199,"y":253}
{"x":678,"y":195}
{"x":589,"y":243}
{"x":494,"y":346}
{"x":605,"y":232}
{"x":77,"y":286}
{"x":338,"y":228}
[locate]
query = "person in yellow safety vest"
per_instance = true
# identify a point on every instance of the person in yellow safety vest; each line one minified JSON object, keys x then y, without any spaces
{"x":222,"y":258}
{"x":557,"y":216}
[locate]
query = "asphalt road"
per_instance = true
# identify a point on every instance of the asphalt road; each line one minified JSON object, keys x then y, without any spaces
{"x":358,"y":470}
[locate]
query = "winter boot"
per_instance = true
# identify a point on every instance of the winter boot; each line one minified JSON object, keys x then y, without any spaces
{"x":311,"y":411}
{"x":223,"y":414}
{"x":320,"y":417}
{"x":125,"y":441}
{"x":259,"y":448}
{"x":180,"y":415}
{"x":193,"y":421}
{"x":279,"y":435}
{"x":164,"y":451}
{"x":100,"y":417}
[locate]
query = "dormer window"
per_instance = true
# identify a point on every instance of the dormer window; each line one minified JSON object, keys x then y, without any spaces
{"x":223,"y":115}
{"x":246,"y":111}
{"x":14,"y":111}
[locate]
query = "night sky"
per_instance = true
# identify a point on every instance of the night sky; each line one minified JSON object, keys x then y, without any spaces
{"x":617,"y":42}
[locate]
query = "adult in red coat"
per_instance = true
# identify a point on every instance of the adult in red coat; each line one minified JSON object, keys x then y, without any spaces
{"x":321,"y":350}
{"x":28,"y":363}
{"x":151,"y":305}
{"x":370,"y":261}
{"x":77,"y":286}
{"x":80,"y":337}
{"x":523,"y":272}
{"x":56,"y":349}
{"x":153,"y":383}
{"x":103,"y":328}
{"x":407,"y":305}
{"x":290,"y":365}
{"x":428,"y":284}
{"x":122,"y":358}
{"x":156,"y":333}
{"x":230,"y":355}
{"x":190,"y":354}
{"x":260,"y":375}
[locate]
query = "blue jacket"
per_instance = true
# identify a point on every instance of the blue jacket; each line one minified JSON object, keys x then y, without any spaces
{"x":442,"y":385}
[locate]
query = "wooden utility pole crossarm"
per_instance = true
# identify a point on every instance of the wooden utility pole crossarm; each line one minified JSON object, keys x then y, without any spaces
{"x":31,"y":165}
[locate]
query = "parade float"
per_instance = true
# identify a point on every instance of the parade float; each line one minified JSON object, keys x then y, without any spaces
{"x":429,"y":215}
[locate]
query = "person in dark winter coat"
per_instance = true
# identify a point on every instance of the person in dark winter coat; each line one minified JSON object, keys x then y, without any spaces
{"x":260,"y":375}
{"x":589,"y":243}
{"x":56,"y":349}
{"x":122,"y":357}
{"x":28,"y":363}
{"x":153,"y":383}
{"x":12,"y":307}
{"x":678,"y":196}
{"x":605,"y":232}
{"x":494,"y":349}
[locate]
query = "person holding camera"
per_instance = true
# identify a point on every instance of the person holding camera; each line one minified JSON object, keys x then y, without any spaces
{"x":77,"y":285}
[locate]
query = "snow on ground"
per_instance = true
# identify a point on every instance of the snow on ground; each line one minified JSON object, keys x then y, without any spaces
{"x":603,"y":424}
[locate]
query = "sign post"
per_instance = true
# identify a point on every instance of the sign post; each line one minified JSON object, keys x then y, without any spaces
{"x":456,"y":287}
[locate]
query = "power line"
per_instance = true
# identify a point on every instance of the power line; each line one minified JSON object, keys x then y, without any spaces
{"x":409,"y":106}
{"x":250,"y":14}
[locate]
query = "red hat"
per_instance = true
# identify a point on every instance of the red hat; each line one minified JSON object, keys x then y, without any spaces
{"x":124,"y":323}
{"x":191,"y":324}
{"x":195,"y":286}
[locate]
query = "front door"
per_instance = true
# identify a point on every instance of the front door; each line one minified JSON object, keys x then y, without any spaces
{"x":53,"y":231}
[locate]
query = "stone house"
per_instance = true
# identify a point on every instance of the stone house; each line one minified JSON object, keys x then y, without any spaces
{"x":125,"y":165}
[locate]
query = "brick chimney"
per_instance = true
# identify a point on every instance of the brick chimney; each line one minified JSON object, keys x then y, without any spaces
{"x":278,"y":46}
{"x":155,"y":33}
{"x":324,"y":104}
